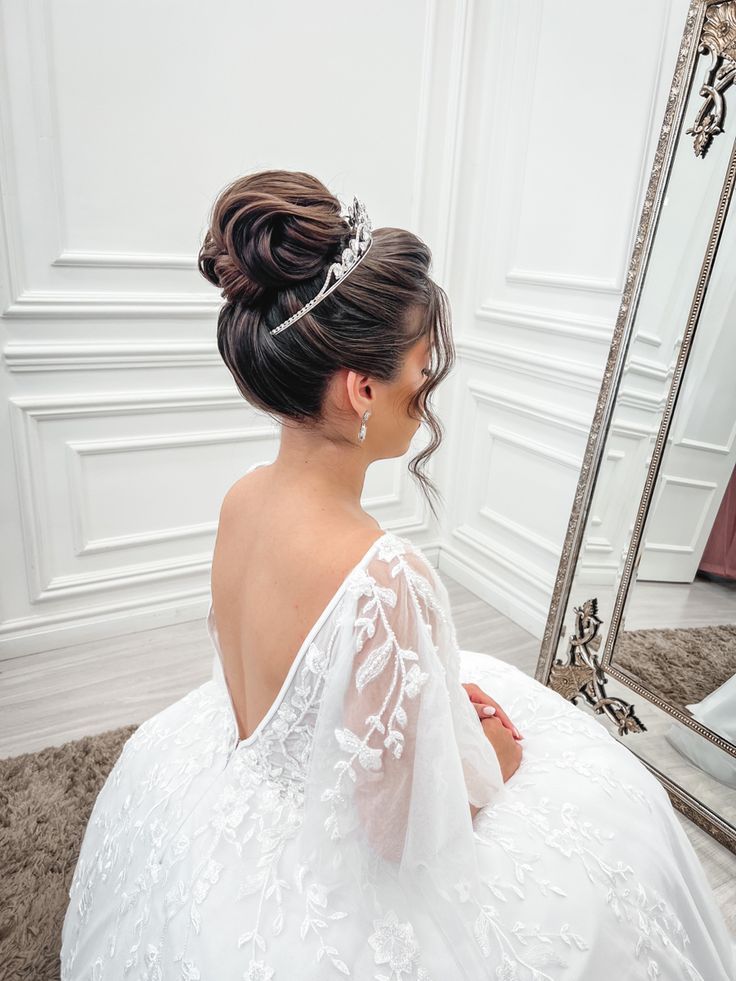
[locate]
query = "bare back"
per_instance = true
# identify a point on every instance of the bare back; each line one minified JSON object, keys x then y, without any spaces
{"x":275,"y":568}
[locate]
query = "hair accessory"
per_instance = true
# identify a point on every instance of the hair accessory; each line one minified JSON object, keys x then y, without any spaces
{"x":356,"y":249}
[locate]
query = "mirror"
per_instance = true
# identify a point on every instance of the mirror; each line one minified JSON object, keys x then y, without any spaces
{"x":642,"y":624}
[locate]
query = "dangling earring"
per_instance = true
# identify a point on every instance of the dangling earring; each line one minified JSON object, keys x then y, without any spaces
{"x":361,"y":433}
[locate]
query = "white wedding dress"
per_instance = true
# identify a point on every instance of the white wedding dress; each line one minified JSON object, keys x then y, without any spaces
{"x":336,"y":841}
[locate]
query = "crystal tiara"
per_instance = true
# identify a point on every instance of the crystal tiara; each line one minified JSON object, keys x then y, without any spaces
{"x":356,"y":249}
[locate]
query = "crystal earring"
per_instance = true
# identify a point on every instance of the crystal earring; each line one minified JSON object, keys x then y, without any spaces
{"x":361,"y":433}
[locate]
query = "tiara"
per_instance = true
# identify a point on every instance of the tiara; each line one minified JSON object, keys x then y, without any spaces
{"x":356,"y":249}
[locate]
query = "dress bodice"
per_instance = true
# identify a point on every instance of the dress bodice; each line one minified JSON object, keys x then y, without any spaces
{"x":279,"y":747}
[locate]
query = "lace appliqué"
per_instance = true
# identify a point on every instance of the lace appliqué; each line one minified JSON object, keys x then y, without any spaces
{"x":395,"y":945}
{"x":187,"y":806}
{"x":388,"y":657}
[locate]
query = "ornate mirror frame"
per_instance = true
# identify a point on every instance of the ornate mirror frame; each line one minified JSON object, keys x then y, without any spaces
{"x":585,"y":674}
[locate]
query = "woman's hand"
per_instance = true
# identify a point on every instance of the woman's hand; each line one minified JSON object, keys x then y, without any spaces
{"x":508,"y":750}
{"x":480,"y":700}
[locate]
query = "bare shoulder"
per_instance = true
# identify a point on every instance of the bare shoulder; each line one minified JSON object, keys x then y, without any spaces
{"x":345,"y":545}
{"x":333,"y":544}
{"x":243,"y":486}
{"x":243,"y":500}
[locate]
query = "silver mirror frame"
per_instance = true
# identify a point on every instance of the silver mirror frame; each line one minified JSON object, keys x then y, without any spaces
{"x":584,"y":675}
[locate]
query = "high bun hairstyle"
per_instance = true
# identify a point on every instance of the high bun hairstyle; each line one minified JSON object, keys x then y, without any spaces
{"x":272,"y":236}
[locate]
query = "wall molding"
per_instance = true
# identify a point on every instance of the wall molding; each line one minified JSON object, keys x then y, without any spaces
{"x":512,"y":585}
{"x":595,"y":329}
{"x":123,"y":260}
{"x":27,"y":414}
{"x":75,"y":304}
{"x":532,"y":537}
{"x":722,"y":449}
{"x":707,"y":488}
{"x":86,"y":356}
{"x":548,"y":368}
{"x":533,"y":446}
{"x":538,"y":410}
{"x":79,"y":449}
{"x":581,"y":284}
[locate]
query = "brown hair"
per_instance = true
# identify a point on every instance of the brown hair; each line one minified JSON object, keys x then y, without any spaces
{"x":272,"y":236}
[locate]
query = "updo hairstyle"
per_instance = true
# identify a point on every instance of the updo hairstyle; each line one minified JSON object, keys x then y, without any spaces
{"x":272,"y":236}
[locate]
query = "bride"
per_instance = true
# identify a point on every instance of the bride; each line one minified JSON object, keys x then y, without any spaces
{"x":379,"y":804}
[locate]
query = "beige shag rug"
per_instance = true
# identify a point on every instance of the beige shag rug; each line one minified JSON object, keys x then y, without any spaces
{"x":681,"y":666}
{"x":45,"y":802}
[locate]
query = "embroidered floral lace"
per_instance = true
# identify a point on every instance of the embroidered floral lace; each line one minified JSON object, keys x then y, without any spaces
{"x":337,"y":840}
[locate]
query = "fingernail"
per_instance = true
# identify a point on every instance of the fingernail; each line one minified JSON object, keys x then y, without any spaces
{"x":489,"y":710}
{"x":517,"y":733}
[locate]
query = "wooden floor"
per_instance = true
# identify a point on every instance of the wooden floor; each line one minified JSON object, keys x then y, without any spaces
{"x":701,"y":603}
{"x":47,"y":699}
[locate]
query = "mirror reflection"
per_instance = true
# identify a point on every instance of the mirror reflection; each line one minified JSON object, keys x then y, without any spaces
{"x":679,"y":637}
{"x":646,"y":635}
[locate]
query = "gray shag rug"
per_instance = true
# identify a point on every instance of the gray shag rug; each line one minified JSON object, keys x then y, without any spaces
{"x":681,"y":666}
{"x":45,"y":802}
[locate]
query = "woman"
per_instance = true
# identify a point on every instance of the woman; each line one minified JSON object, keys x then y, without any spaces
{"x":356,"y":809}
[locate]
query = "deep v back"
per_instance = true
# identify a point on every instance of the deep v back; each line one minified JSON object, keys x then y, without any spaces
{"x":297,"y":658}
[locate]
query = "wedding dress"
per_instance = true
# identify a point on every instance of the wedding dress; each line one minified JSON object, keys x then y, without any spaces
{"x":337,"y":841}
{"x":717,"y":711}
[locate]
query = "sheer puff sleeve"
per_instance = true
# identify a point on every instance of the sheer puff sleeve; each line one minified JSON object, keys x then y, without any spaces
{"x":398,"y":754}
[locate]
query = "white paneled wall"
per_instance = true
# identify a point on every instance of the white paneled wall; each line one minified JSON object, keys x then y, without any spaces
{"x":515,"y":138}
{"x":121,"y":429}
{"x":561,"y":116}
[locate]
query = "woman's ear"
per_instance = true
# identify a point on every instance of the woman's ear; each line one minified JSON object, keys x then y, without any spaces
{"x":359,"y":391}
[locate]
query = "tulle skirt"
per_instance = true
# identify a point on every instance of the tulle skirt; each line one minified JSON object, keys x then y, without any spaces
{"x":587,"y":847}
{"x":188,"y":869}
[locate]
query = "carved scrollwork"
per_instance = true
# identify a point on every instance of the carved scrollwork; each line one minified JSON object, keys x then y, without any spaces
{"x":583,"y":675}
{"x":719,"y":38}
